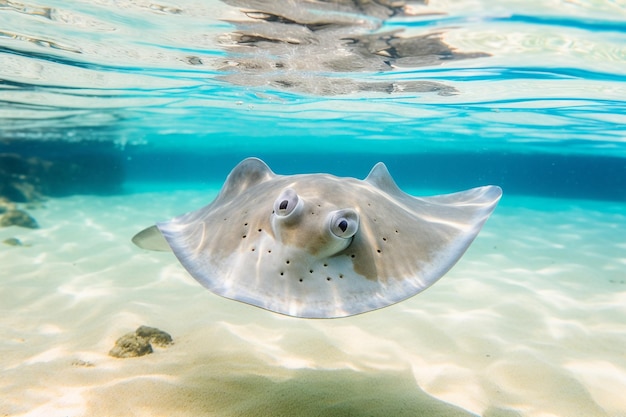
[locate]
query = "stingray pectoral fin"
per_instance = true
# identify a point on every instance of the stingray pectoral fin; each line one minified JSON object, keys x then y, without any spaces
{"x":151,"y":239}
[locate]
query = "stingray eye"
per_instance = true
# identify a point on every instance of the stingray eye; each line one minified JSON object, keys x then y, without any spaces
{"x":286,"y":202}
{"x":344,"y":223}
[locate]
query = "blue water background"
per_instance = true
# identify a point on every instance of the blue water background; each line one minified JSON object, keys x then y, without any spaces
{"x":544,"y":114}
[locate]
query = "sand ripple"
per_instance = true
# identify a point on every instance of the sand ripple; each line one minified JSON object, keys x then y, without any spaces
{"x":529,"y":323}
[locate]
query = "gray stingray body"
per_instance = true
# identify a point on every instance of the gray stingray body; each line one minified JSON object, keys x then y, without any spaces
{"x":320,"y":246}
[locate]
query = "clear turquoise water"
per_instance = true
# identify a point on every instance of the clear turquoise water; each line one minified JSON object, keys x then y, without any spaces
{"x":529,"y":95}
{"x":539,"y":110}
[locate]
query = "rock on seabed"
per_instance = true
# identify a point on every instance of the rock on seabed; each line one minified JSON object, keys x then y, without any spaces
{"x":16,"y":217}
{"x":138,"y":343}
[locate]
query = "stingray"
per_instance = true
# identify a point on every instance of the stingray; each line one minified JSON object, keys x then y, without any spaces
{"x":321,"y":246}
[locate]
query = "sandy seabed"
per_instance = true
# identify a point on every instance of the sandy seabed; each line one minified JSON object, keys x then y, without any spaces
{"x":531,"y":322}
